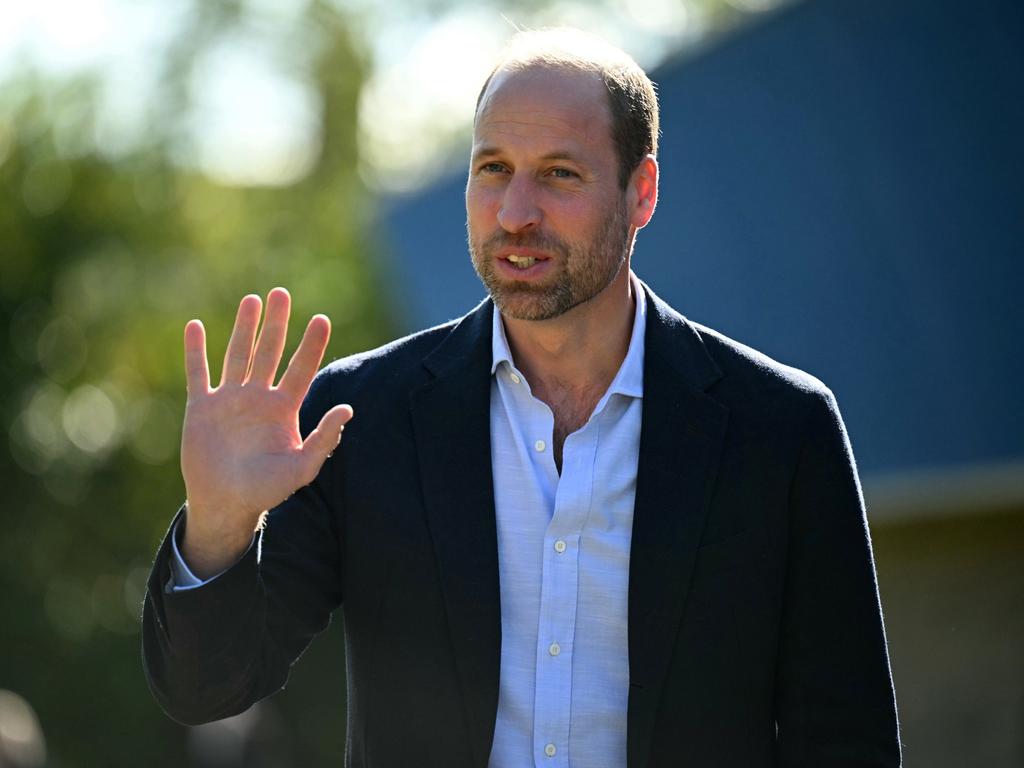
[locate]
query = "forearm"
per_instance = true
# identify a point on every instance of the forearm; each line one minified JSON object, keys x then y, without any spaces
{"x":212,"y":651}
{"x":206,"y":650}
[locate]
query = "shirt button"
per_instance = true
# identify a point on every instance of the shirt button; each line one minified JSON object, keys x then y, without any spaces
{"x":559,"y":546}
{"x":550,"y":750}
{"x":515,"y":379}
{"x":540,"y":445}
{"x":554,"y":649}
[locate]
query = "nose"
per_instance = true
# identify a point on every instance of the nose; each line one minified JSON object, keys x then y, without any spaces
{"x":519,"y":209}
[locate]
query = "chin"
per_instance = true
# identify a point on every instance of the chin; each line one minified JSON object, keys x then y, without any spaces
{"x":533,"y":305}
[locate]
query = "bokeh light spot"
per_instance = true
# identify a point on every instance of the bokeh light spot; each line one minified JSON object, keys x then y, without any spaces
{"x":37,"y":435}
{"x":21,"y":737}
{"x":90,"y":419}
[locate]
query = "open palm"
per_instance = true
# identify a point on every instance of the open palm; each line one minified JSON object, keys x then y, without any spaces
{"x":241,"y":450}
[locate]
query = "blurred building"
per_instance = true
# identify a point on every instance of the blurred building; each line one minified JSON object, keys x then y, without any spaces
{"x":841,"y":189}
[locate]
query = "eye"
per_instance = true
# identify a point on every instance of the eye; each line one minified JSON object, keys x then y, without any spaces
{"x":563,"y":173}
{"x":493,"y":167}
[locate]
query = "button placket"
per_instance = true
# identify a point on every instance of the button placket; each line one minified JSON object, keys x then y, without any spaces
{"x":552,"y":707}
{"x":559,"y":589}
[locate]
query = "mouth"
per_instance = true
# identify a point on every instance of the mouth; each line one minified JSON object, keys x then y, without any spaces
{"x":521,"y":262}
{"x":522,"y":259}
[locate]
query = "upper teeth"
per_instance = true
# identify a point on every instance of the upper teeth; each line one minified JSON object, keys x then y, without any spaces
{"x":522,"y":261}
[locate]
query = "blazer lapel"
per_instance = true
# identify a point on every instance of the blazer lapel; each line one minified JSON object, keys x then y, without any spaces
{"x":451,"y":420}
{"x":681,"y":435}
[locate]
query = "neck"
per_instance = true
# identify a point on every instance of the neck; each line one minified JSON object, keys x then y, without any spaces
{"x":581,"y":350}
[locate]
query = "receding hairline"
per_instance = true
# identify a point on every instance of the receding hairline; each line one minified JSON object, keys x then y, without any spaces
{"x":501,"y":75}
{"x":557,"y":49}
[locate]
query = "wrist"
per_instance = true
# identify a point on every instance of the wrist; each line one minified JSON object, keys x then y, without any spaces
{"x":209,"y":549}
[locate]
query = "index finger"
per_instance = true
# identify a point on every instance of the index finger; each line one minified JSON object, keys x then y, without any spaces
{"x":197,"y":370}
{"x":306,"y":360}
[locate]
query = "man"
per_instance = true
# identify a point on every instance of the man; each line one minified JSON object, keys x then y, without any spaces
{"x":575,"y":531}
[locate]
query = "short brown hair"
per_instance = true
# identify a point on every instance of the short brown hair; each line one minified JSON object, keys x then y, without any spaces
{"x":632,"y":99}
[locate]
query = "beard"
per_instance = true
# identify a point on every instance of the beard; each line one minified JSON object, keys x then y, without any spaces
{"x":581,"y":272}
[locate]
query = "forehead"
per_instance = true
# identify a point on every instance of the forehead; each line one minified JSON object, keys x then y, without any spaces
{"x":544,"y":106}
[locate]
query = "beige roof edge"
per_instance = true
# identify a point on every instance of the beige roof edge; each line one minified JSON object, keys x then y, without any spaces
{"x":921,"y":495}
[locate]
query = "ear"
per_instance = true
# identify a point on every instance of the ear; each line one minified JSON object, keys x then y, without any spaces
{"x":642,"y":192}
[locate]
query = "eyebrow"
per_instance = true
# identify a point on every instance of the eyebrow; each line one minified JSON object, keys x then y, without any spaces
{"x":489,"y":150}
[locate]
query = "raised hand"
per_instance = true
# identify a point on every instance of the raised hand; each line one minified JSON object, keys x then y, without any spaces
{"x":241,"y":450}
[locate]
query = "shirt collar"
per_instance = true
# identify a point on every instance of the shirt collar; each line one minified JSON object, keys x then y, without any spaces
{"x":629,"y":380}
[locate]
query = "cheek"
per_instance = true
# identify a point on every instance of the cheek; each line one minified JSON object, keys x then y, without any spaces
{"x":479,"y":224}
{"x":475,"y":220}
{"x":481,"y":199}
{"x":582,"y":210}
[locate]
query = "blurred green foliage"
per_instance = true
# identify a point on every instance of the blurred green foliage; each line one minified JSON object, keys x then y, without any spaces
{"x":103,"y":258}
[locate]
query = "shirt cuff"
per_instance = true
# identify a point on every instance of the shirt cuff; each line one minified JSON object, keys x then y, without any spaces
{"x":182,"y":579}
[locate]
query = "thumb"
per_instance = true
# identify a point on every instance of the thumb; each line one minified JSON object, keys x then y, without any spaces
{"x":321,"y":442}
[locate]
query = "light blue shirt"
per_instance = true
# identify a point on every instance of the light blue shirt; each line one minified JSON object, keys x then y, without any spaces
{"x":563,"y":563}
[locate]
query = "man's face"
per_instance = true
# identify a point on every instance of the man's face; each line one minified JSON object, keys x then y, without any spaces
{"x":546,"y":219}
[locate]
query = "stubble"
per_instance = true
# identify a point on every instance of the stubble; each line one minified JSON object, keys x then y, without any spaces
{"x":581,"y":272}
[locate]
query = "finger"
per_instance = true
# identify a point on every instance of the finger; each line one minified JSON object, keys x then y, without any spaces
{"x":306,"y":360}
{"x":239,"y":351}
{"x":197,"y":370}
{"x":270,"y":343}
{"x":321,"y":442}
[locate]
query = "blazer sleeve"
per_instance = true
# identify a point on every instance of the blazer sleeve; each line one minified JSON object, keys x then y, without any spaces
{"x":213,"y":651}
{"x":835,"y":702}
